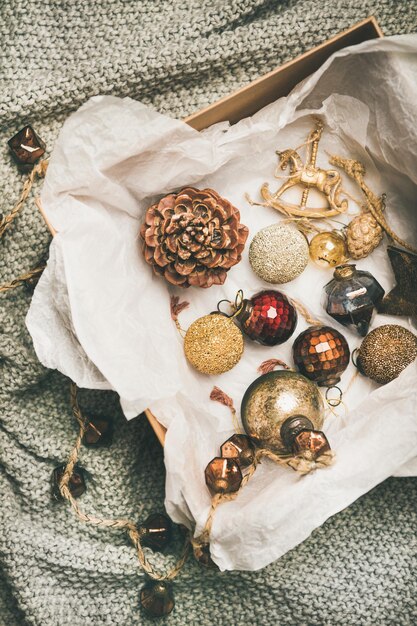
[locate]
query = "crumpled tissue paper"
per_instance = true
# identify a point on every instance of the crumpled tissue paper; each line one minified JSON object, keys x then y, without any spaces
{"x":101,"y":316}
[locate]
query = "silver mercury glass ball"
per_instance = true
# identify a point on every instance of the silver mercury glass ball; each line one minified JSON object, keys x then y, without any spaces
{"x":278,"y":253}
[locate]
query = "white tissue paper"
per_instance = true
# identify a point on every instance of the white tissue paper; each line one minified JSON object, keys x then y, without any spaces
{"x":102,"y":317}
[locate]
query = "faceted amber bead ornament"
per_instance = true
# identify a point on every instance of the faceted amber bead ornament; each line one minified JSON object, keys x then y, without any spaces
{"x":98,"y":432}
{"x":223,"y":475}
{"x":240,"y":448}
{"x":310,"y":444}
{"x":26,"y":147}
{"x":156,"y":598}
{"x":322,"y":354}
{"x":156,"y":532}
{"x":76,"y":485}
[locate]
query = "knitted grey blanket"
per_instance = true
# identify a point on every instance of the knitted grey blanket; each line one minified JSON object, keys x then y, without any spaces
{"x":359,"y":568}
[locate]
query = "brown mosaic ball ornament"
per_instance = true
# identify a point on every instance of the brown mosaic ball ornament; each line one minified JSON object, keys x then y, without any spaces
{"x":156,"y":598}
{"x":213,"y":344}
{"x":385,"y":352}
{"x":322,"y":354}
{"x":193,"y":237}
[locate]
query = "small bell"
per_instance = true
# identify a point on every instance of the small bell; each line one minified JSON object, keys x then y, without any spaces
{"x":26,"y":147}
{"x":213,"y":344}
{"x":351,"y":297}
{"x":322,"y":354}
{"x":301,"y":439}
{"x":240,"y":448}
{"x":98,"y":432}
{"x":268,"y":317}
{"x":223,"y":475}
{"x":328,"y":249}
{"x":156,"y":598}
{"x":156,"y":532}
{"x":76,"y":484}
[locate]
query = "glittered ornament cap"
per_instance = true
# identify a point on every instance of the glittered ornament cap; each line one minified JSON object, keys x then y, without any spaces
{"x":386,"y":352}
{"x":193,"y":237}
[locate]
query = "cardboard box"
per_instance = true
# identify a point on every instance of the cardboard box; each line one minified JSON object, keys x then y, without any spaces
{"x":264,"y":90}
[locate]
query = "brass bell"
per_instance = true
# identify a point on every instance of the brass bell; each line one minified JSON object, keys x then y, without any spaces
{"x":156,"y":598}
{"x":156,"y":532}
{"x":240,"y":448}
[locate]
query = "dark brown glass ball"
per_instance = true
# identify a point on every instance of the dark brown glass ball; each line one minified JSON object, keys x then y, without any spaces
{"x":321,"y":354}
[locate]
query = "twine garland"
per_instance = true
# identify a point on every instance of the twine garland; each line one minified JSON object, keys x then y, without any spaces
{"x":23,"y":279}
{"x":5,"y":222}
{"x":302,"y":465}
{"x":120,"y":524}
{"x":38,"y":170}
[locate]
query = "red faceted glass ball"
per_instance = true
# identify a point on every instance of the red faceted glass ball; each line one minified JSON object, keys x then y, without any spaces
{"x":321,"y":354}
{"x":268,"y":318}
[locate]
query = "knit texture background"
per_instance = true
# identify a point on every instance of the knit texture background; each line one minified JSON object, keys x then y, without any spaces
{"x":359,"y":568}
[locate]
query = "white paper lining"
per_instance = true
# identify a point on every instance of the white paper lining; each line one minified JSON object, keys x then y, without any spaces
{"x":100,"y":316}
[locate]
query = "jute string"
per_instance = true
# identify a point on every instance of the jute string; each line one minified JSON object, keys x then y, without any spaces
{"x":356,"y":170}
{"x":302,"y":464}
{"x":305,"y":313}
{"x":38,"y":170}
{"x":21,"y":280}
{"x":5,"y":222}
{"x":122,"y":524}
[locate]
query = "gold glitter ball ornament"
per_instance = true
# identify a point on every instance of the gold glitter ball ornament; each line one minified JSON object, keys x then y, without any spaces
{"x":213,"y":344}
{"x":328,"y":249}
{"x":278,"y":253}
{"x":385,"y":352}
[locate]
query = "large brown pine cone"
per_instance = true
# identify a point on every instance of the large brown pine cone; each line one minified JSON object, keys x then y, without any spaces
{"x":193,"y":237}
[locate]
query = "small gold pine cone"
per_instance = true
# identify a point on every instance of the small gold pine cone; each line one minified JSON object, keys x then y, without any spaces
{"x":363,"y":235}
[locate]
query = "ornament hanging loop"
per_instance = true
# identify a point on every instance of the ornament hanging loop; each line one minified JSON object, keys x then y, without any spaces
{"x":236,"y":306}
{"x":354,"y":357}
{"x":334,"y":402}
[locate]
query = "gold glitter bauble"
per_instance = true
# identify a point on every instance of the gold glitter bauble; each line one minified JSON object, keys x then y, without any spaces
{"x":386,"y":351}
{"x":328,"y":249}
{"x":278,"y":253}
{"x":213,"y":344}
{"x":273,"y":398}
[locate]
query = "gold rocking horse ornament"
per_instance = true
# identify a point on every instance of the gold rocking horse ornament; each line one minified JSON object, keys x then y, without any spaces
{"x":306,"y":175}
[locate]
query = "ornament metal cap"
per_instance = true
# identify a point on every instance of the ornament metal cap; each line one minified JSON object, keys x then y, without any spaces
{"x":292,"y":427}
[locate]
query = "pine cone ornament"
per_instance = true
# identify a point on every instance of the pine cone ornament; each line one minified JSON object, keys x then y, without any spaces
{"x":193,"y":237}
{"x":363,"y":235}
